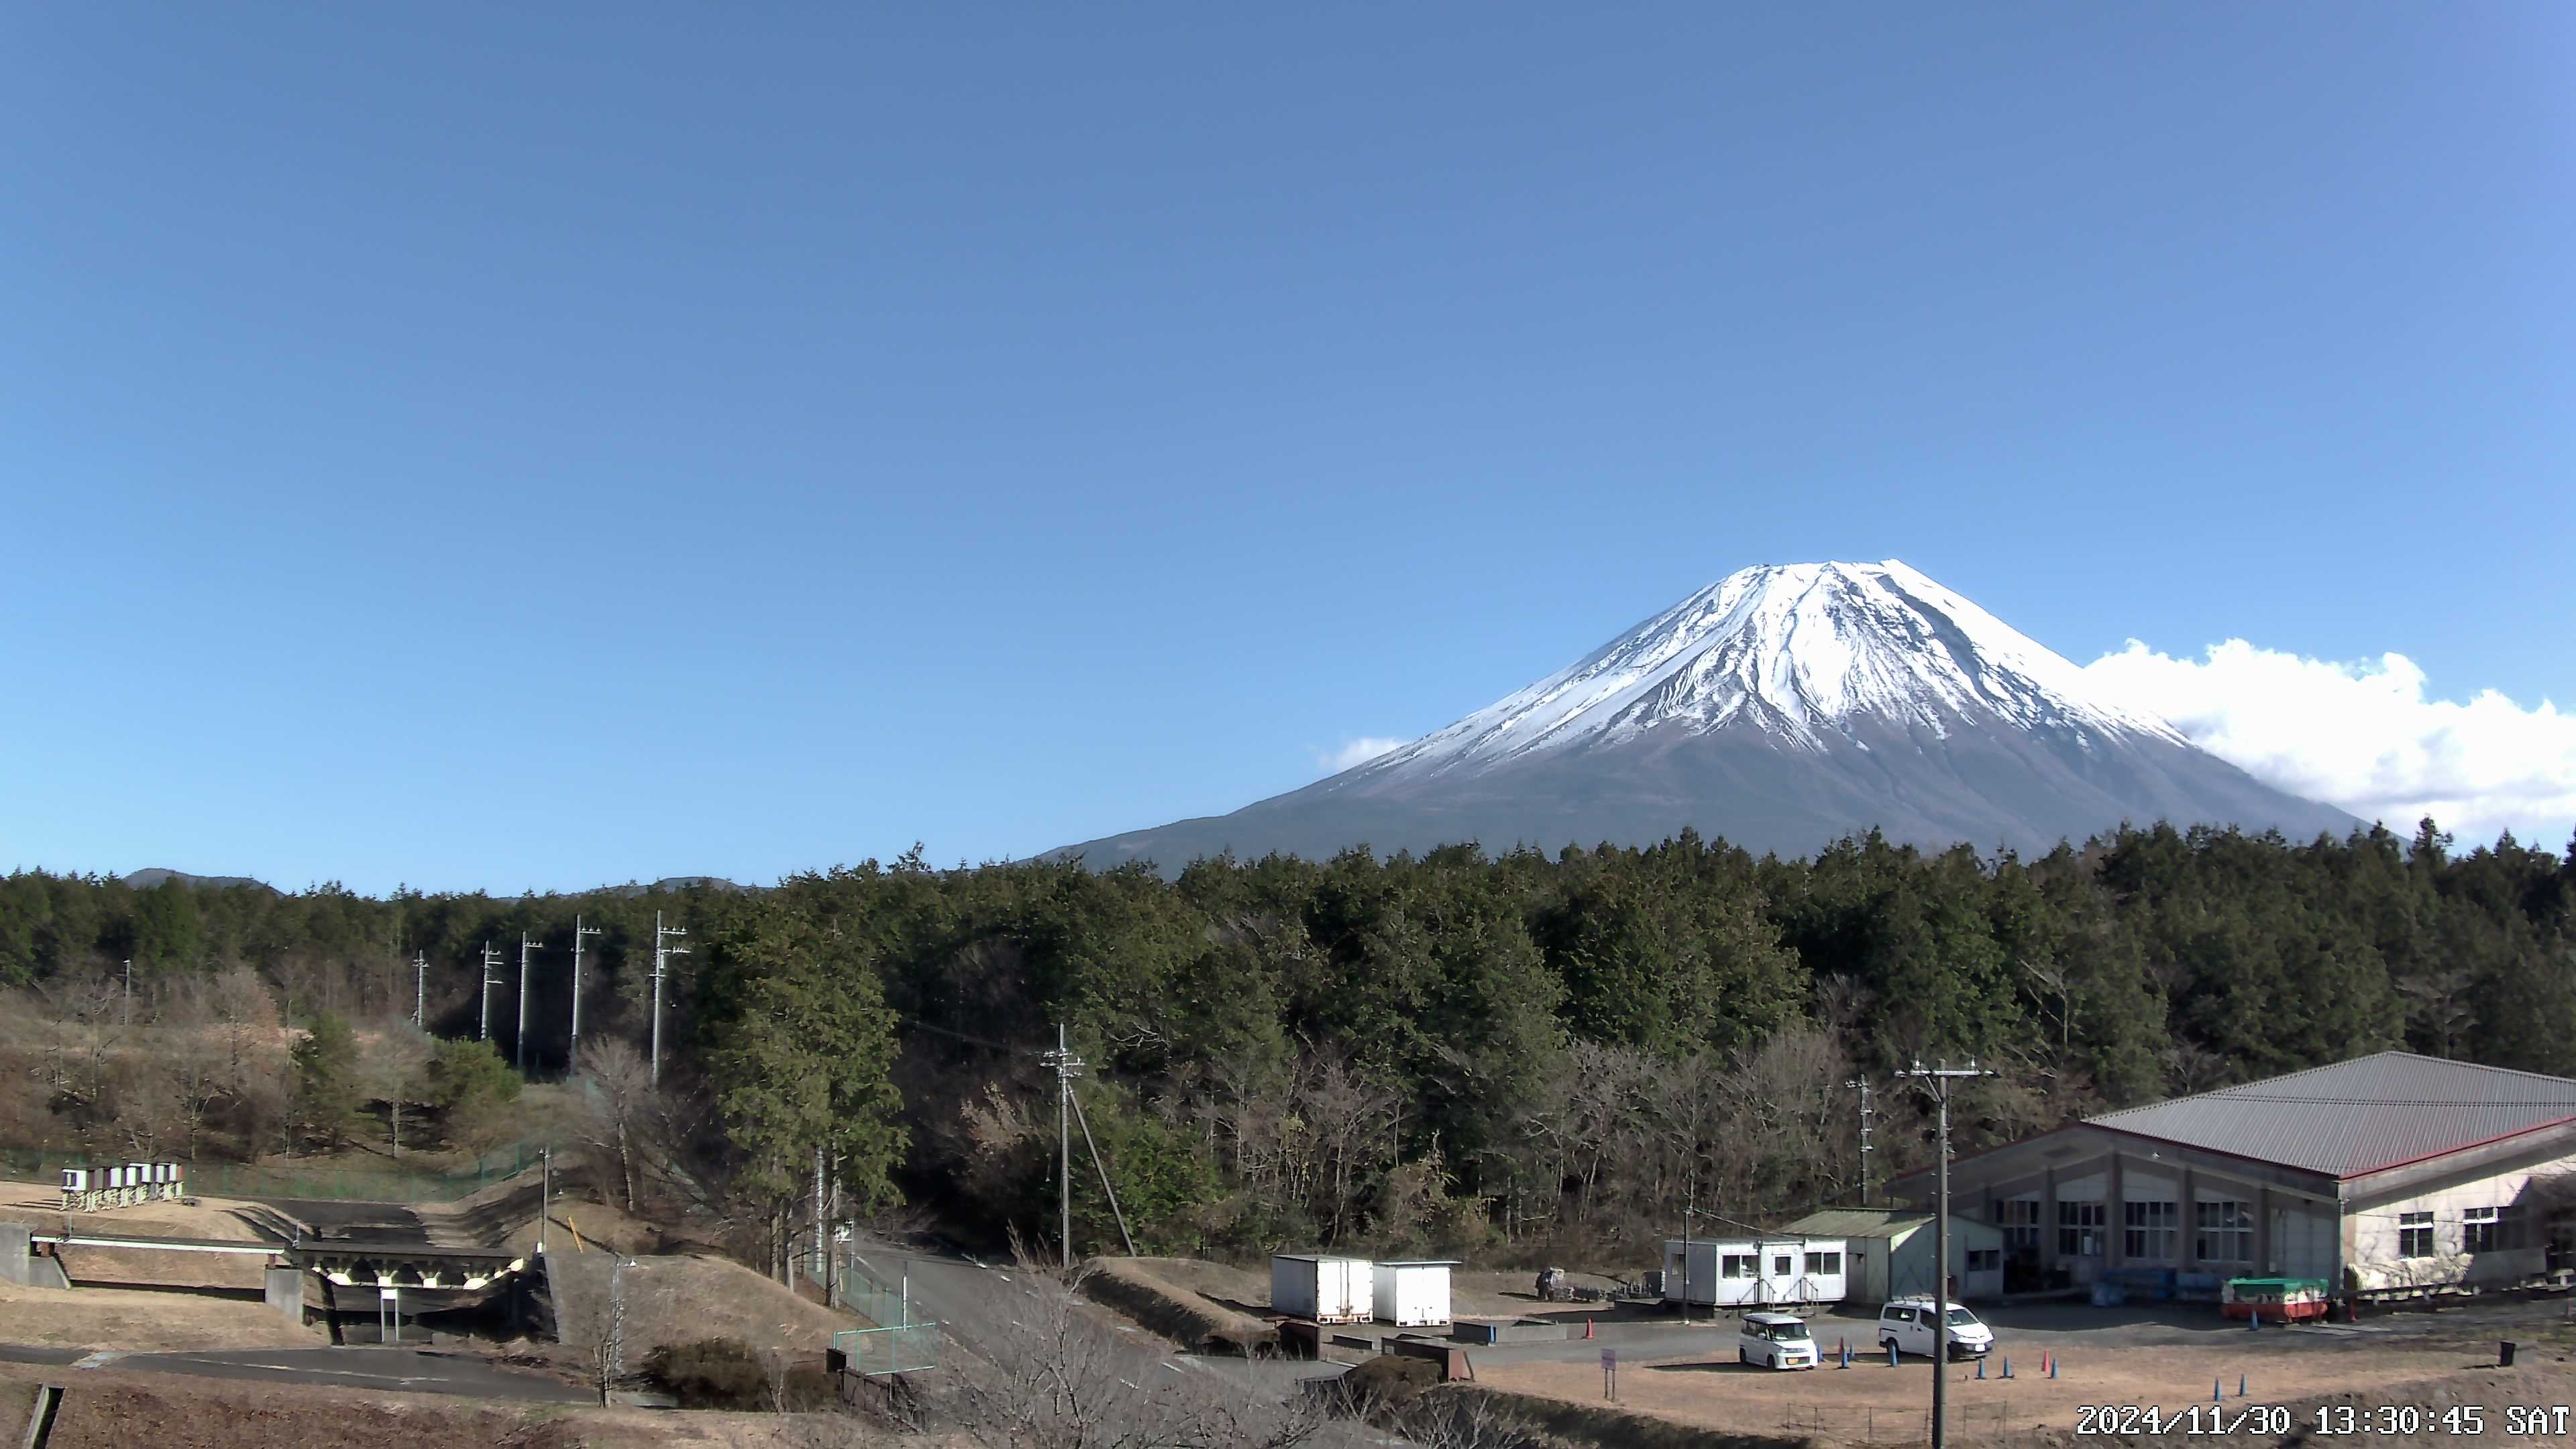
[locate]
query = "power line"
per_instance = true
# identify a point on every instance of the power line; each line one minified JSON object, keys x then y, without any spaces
{"x":1937,"y":1081}
{"x":661,"y":951}
{"x":572,"y":1053}
{"x":491,"y":958}
{"x":520,"y":1047}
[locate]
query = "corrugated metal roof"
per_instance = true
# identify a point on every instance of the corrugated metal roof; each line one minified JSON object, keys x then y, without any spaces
{"x":2358,"y":1116}
{"x":1856,"y":1222}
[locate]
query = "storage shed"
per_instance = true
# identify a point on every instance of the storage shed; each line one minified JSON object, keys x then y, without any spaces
{"x":1889,"y":1253}
{"x":1321,"y":1289}
{"x":1413,"y":1294}
{"x":1731,"y":1272}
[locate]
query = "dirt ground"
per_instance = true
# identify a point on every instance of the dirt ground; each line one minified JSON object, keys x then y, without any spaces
{"x":1873,"y":1403}
{"x":105,"y":1409}
{"x":142,"y":1322}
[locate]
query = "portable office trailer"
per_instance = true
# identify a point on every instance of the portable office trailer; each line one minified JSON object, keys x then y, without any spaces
{"x":1736,"y":1272}
{"x":1412,"y":1295}
{"x":1320,"y":1289}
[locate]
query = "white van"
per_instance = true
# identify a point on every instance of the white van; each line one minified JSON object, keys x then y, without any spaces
{"x":1908,"y":1325}
{"x":1775,"y":1340}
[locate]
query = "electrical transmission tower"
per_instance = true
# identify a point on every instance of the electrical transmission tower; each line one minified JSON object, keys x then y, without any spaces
{"x":420,"y":990}
{"x":572,"y":1053}
{"x":491,"y":958}
{"x":1865,"y":1148}
{"x":661,"y":952}
{"x":520,"y":1048}
{"x":1937,"y":1081}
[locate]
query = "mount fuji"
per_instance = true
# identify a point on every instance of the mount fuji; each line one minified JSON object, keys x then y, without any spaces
{"x":1782,"y":708}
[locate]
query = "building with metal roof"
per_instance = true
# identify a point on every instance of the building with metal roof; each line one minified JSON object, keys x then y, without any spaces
{"x":2387,"y":1173}
{"x":1887,"y":1253}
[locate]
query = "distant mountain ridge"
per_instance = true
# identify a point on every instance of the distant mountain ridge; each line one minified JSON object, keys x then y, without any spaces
{"x":1783,"y":707}
{"x":147,"y":879}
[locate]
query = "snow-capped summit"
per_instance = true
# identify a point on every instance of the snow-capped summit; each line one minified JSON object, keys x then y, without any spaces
{"x":1803,"y":652}
{"x":1781,"y":708}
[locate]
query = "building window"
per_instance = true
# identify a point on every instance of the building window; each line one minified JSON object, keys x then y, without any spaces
{"x":1783,"y":1264}
{"x":2150,"y":1230}
{"x":2414,"y":1235}
{"x":1736,"y":1265}
{"x":2020,"y":1222}
{"x":2482,"y":1230}
{"x":2079,"y":1229}
{"x":1823,"y":1263}
{"x":2225,"y":1233}
{"x":1985,"y":1260}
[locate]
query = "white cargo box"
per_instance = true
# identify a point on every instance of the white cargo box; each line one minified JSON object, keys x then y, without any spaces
{"x":75,"y":1179}
{"x":1320,"y":1289}
{"x":1413,"y":1294}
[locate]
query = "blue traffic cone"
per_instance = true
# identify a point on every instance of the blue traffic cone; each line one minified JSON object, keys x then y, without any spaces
{"x":2052,"y":1365}
{"x":2007,"y":1368}
{"x":1981,"y":1368}
{"x":2256,"y":1326}
{"x":1846,"y":1355}
{"x":2215,"y":1396}
{"x":1891,"y":1353}
{"x":2240,"y":1386}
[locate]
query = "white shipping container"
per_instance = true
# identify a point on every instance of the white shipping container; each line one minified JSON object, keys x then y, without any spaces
{"x":1412,"y":1295}
{"x":1320,"y":1289}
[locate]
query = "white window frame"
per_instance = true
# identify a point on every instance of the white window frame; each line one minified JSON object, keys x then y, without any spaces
{"x":2482,"y":1223}
{"x":2409,"y":1225}
{"x":1824,"y":1265}
{"x":2148,"y":1230}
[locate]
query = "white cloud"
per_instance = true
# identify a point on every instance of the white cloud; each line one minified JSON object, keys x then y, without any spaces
{"x":2365,"y":737}
{"x":1355,"y":752}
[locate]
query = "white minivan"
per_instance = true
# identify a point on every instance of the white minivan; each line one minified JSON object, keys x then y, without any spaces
{"x":1908,"y":1325}
{"x":1775,"y":1340}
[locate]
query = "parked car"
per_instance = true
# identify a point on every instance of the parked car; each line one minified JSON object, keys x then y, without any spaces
{"x":1908,"y":1325}
{"x":1775,"y":1340}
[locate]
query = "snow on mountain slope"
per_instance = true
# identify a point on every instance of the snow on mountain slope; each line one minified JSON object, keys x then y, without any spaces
{"x":1799,"y":651}
{"x":1781,"y":708}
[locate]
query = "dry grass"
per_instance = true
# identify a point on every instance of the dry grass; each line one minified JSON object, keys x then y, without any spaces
{"x":1144,"y":1289}
{"x":139,"y":1322}
{"x":109,"y":1409}
{"x":40,"y":1205}
{"x":674,"y":1300}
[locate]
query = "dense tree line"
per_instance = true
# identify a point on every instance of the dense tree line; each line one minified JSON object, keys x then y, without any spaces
{"x":1529,"y":1054}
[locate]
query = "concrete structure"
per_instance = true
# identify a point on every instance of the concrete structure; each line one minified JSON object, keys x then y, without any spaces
{"x":1320,"y":1289}
{"x":2391,"y":1173}
{"x":1887,"y":1253}
{"x":286,"y":1293}
{"x":14,"y":1267}
{"x":1413,"y":1294}
{"x":1787,"y":1268}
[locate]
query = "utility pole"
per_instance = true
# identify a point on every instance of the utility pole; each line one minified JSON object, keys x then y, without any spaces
{"x":420,"y":990}
{"x":1067,"y":1067}
{"x":491,"y":958}
{"x":129,"y":991}
{"x":1688,"y":1211}
{"x":1865,"y":1149}
{"x":545,"y":1195}
{"x":1937,"y":1081}
{"x":661,"y":933}
{"x":520,"y":1049}
{"x":572,"y":1054}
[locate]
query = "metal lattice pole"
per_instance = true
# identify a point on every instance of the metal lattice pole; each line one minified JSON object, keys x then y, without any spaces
{"x":420,"y":990}
{"x":491,"y":959}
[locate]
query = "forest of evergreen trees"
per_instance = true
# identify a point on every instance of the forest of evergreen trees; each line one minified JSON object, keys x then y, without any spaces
{"x":1513,"y":1057}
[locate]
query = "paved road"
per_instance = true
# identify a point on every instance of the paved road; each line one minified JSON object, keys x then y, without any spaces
{"x":401,"y":1370}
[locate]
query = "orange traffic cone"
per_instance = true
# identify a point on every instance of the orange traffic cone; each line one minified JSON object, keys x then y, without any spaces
{"x":1587,"y":1328}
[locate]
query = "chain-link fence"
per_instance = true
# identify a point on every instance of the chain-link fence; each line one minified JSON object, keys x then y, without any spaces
{"x":232,"y":1179}
{"x":905,"y":1349}
{"x":1998,"y":1425}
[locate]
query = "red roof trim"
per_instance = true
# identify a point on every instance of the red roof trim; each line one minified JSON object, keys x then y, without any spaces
{"x":2463,"y":1147}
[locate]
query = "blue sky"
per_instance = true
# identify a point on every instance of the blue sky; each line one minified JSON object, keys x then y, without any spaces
{"x":477,"y":448}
